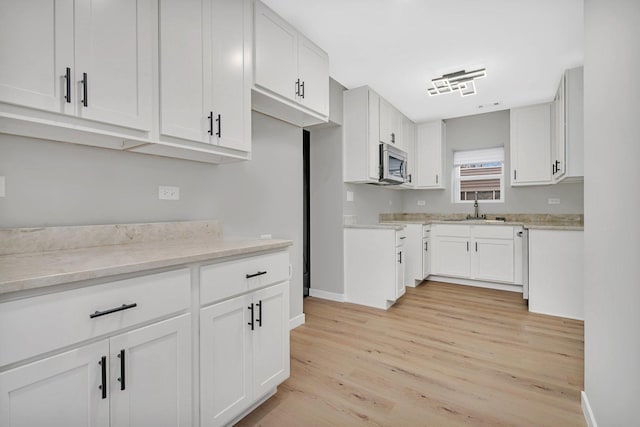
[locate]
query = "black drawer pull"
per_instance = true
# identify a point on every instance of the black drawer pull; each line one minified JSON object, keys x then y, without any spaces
{"x":67,"y":78}
{"x":259,"y":273}
{"x":85,"y":89}
{"x":250,"y":308}
{"x":259,"y":319}
{"x":113,"y":310}
{"x":122,"y":368}
{"x":103,"y":382}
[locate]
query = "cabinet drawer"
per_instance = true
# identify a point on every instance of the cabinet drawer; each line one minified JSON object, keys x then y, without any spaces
{"x":224,"y":280}
{"x":32,"y":326}
{"x":426,"y":231}
{"x":493,"y":232}
{"x":401,"y":237}
{"x":452,"y":230}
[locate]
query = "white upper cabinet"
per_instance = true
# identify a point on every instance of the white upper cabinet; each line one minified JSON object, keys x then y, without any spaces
{"x":182,"y":83}
{"x":568,"y":127}
{"x":204,"y":75}
{"x":391,"y":125}
{"x":289,"y":69}
{"x":35,"y":53}
{"x":85,"y":58}
{"x":113,"y":72}
{"x":531,"y":145}
{"x":313,"y":69}
{"x":276,"y":51}
{"x":429,"y":153}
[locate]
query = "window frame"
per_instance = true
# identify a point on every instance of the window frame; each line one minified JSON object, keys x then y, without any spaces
{"x":456,"y":178}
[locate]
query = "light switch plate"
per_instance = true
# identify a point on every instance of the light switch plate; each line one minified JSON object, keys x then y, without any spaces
{"x":554,"y":201}
{"x":2,"y":191}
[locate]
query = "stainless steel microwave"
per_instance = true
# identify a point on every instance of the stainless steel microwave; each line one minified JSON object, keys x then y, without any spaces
{"x":393,"y":165}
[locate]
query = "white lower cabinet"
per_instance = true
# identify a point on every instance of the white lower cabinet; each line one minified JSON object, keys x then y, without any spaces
{"x":426,"y":257}
{"x":244,"y":352}
{"x":139,"y":378}
{"x":58,"y":391}
{"x":480,"y":252}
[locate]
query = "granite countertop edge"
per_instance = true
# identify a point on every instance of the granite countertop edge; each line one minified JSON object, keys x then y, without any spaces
{"x":391,"y":225}
{"x":527,"y":225}
{"x":21,"y":272}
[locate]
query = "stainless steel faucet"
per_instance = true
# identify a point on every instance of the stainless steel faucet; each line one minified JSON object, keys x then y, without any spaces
{"x":476,"y":210}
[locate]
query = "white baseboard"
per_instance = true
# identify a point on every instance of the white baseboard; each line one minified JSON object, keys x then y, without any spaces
{"x":331,"y":296}
{"x":586,"y":410}
{"x":296,"y":321}
{"x":477,"y":283}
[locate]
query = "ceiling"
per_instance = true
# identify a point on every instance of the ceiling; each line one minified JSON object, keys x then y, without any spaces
{"x":397,"y":46}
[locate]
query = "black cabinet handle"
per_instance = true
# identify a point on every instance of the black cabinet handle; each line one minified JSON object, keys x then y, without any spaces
{"x":520,"y":233}
{"x":400,"y":259}
{"x":85,"y":90}
{"x":476,"y":246}
{"x":259,"y":273}
{"x":410,"y":177}
{"x":122,"y":369}
{"x":557,"y":165}
{"x":298,"y":87}
{"x":113,"y":310}
{"x":393,"y":138}
{"x":219,"y":121}
{"x":259,"y":319}
{"x":467,"y":246}
{"x":436,"y":178}
{"x":515,"y":175}
{"x":67,"y":78}
{"x":302,"y":89}
{"x":252,"y":318}
{"x":210,"y":117}
{"x":103,"y":385}
{"x":426,"y":246}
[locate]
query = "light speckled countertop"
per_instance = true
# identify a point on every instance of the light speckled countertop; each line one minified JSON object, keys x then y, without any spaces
{"x":382,"y":226}
{"x":529,"y":221}
{"x":37,"y":269}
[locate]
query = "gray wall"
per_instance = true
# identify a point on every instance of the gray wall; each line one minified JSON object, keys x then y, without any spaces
{"x":371,"y":200}
{"x":612,"y":202}
{"x":53,"y":183}
{"x":485,"y":131}
{"x":327,"y":248}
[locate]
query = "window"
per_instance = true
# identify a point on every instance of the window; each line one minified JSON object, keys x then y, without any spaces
{"x":478,"y":173}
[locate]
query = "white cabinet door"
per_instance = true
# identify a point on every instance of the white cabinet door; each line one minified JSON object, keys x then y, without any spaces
{"x":493,"y":260}
{"x":429,"y":152}
{"x":426,"y":258}
{"x":114,"y":44}
{"x":151,"y":375}
{"x":390,"y":124}
{"x":36,"y":50}
{"x":313,"y":71}
{"x":230,"y":78}
{"x":225,"y":360}
{"x":558,"y":133}
{"x":452,"y":256}
{"x":531,"y":145}
{"x":276,"y":50}
{"x":400,"y":270}
{"x":270,"y":338}
{"x":59,"y":391}
{"x":182,"y":82}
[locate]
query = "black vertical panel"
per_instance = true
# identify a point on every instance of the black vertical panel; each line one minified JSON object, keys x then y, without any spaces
{"x":306,"y":233}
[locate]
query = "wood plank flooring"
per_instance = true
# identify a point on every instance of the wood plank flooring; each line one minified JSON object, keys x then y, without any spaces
{"x":444,"y":355}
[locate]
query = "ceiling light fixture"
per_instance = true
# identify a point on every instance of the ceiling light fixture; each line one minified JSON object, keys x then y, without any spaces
{"x":462,"y":81}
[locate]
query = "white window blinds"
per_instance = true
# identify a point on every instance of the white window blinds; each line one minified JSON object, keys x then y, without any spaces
{"x":486,"y":155}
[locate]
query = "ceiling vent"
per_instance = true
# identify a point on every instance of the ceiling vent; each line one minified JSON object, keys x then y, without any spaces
{"x":462,"y":81}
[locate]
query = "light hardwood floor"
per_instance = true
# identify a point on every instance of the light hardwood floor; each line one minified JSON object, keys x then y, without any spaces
{"x":444,"y":355}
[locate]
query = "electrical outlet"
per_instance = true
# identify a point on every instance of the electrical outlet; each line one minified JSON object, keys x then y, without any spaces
{"x":349,"y":196}
{"x":421,"y":203}
{"x":553,"y":201}
{"x":166,"y":192}
{"x":2,"y":191}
